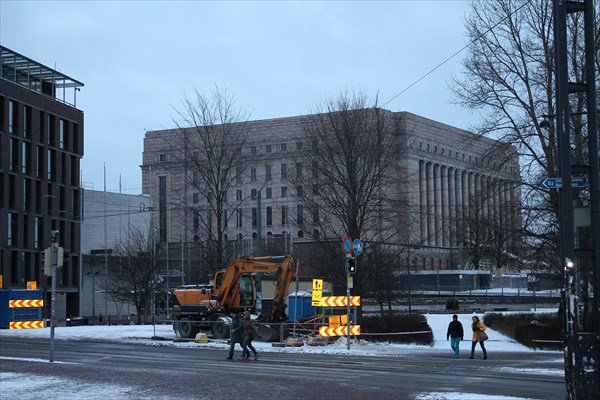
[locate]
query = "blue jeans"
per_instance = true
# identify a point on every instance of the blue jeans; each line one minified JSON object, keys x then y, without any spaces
{"x":248,"y":345}
{"x":455,"y":343}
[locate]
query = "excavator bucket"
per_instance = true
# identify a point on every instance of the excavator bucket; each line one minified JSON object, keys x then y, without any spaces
{"x":272,"y":332}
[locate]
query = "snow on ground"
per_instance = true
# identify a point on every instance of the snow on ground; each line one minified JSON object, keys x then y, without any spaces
{"x":13,"y":387}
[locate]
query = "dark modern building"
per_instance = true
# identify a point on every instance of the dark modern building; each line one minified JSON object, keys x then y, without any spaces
{"x":41,"y":146}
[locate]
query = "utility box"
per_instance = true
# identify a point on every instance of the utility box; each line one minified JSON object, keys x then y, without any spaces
{"x":21,"y":309}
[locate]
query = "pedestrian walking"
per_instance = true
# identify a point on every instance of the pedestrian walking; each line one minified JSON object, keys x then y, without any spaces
{"x":236,"y":333}
{"x":479,"y":336}
{"x":455,"y":334}
{"x":250,"y":333}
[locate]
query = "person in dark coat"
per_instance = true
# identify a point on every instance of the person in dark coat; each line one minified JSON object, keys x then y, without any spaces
{"x":477,"y":327}
{"x":455,"y":334}
{"x":237,"y":333}
{"x":250,"y":332}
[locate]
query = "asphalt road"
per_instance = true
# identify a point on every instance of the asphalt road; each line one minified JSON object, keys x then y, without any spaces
{"x":182,"y":373}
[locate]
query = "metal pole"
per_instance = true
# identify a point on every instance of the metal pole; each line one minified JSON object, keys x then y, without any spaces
{"x":348,"y":308}
{"x":53,"y":300}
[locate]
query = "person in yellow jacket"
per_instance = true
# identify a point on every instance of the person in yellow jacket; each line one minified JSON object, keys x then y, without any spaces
{"x":477,"y":327}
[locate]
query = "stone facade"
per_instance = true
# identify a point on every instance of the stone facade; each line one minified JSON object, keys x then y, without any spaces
{"x":441,"y":169}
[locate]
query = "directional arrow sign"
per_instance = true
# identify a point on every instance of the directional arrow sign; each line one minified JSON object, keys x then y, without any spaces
{"x":556,"y":183}
{"x":340,"y":301}
{"x":26,"y":324}
{"x":339,"y":330}
{"x":25,"y":303}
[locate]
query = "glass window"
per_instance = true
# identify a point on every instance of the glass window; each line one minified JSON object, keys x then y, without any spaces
{"x":300,"y":213}
{"x":269,"y":216}
{"x":283,"y":147}
{"x":238,"y":195}
{"x":238,"y":218}
{"x":253,"y":174}
{"x":298,"y":145}
{"x":315,"y":211}
{"x":268,"y":172}
{"x":195,"y":198}
{"x":269,"y":193}
{"x":299,"y":170}
{"x":283,"y":171}
{"x":284,"y":215}
{"x":238,"y":175}
{"x":253,"y":194}
{"x":299,"y":191}
{"x":315,"y":189}
{"x":268,"y":148}
{"x":61,"y":133}
{"x":253,"y":150}
{"x":254,"y":216}
{"x":284,"y":191}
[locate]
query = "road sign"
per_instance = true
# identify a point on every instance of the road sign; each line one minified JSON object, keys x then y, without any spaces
{"x":357,"y":247}
{"x":26,"y":324}
{"x":318,"y":284}
{"x":556,"y":183}
{"x":339,"y":330}
{"x":317,"y":297}
{"x":340,"y":301}
{"x":25,"y":303}
{"x":347,"y":245}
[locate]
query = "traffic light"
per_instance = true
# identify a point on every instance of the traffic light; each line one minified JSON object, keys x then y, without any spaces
{"x":351,"y":265}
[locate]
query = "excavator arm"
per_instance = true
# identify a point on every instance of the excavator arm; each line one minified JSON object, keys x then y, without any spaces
{"x":282,"y":266}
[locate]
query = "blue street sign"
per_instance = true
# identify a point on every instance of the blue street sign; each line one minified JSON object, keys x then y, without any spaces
{"x":358,"y":247}
{"x":347,"y":245}
{"x":556,"y":183}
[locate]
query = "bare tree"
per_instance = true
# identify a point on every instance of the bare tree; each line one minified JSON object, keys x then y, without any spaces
{"x":212,"y":134}
{"x":342,"y":176}
{"x":132,"y":271}
{"x":508,"y":76}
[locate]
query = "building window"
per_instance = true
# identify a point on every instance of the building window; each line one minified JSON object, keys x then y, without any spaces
{"x":196,"y":198}
{"x":61,"y":133}
{"x":195,"y":155}
{"x":11,"y":230}
{"x":253,"y":150}
{"x":238,"y":218}
{"x":268,"y":148}
{"x":300,"y":213}
{"x":238,"y":175}
{"x":14,"y":155}
{"x":51,"y":130}
{"x":298,"y":145}
{"x":283,"y":147}
{"x":269,"y":216}
{"x":283,"y":171}
{"x":299,"y":191}
{"x":12,"y":117}
{"x":254,"y":217}
{"x":284,"y":217}
{"x":315,"y":169}
{"x":225,"y":219}
{"x":51,"y":165}
{"x":196,"y":221}
{"x":253,"y":174}
{"x":300,"y":234}
{"x":269,"y":193}
{"x":238,"y":195}
{"x":299,"y":170}
{"x":162,"y":158}
{"x":284,"y":191}
{"x":39,"y":166}
{"x":316,"y":234}
{"x":315,"y":211}
{"x":26,"y":158}
{"x":253,"y":194}
{"x":195,"y":177}
{"x":27,"y":121}
{"x":315,"y":189}
{"x":37,"y":230}
{"x":268,"y":172}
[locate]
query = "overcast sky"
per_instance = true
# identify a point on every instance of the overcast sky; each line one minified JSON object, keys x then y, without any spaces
{"x":278,"y":59}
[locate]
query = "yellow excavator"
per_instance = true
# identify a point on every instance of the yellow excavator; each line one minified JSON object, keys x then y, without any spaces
{"x":207,"y":308}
